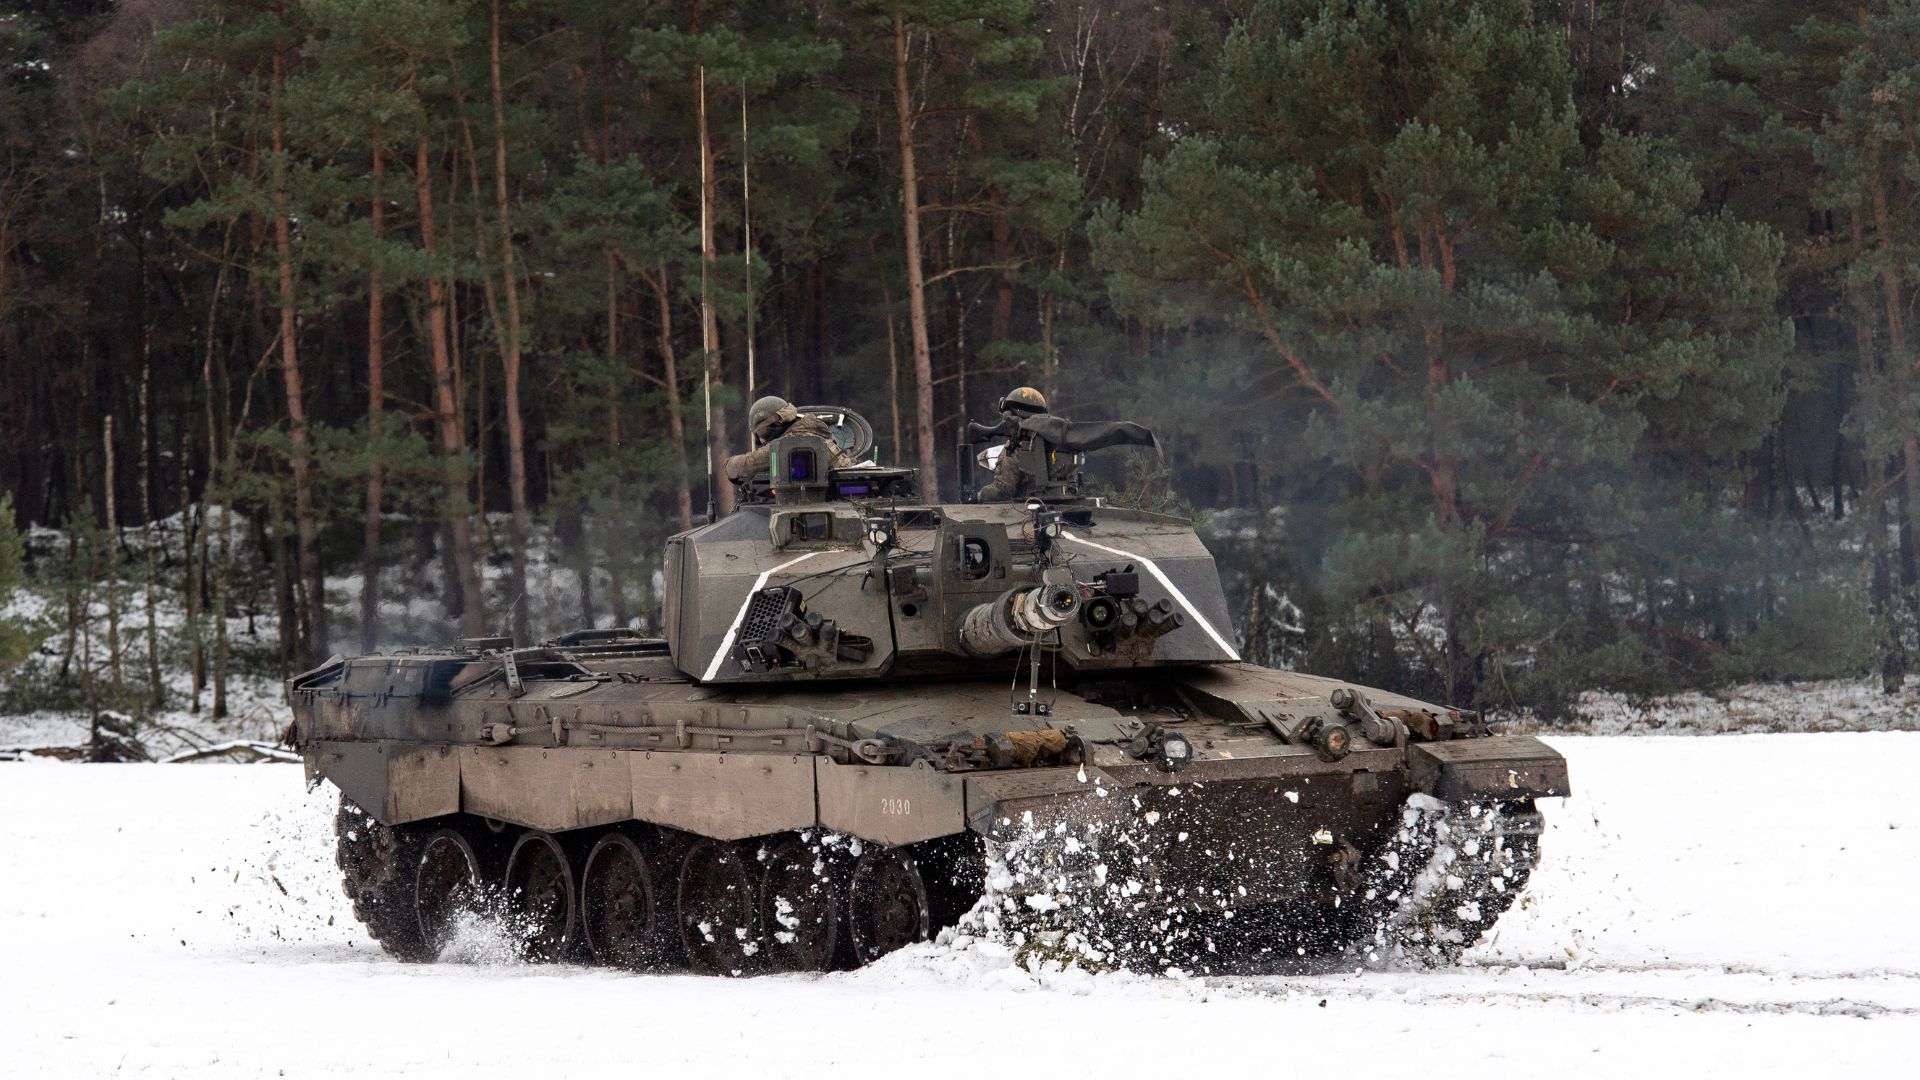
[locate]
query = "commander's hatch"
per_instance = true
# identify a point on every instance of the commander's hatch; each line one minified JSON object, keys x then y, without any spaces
{"x":851,"y":432}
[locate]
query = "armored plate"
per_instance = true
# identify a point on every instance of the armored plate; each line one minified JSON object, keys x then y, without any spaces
{"x":1502,"y":767}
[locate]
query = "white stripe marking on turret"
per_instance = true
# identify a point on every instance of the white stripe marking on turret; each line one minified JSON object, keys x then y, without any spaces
{"x":726,"y":643}
{"x":1166,"y":583}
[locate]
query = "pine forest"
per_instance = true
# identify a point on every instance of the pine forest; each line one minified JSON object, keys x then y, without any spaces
{"x":1504,"y":350}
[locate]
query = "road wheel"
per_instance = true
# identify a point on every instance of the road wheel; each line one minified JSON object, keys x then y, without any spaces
{"x":446,"y":886}
{"x":539,"y":897}
{"x":378,"y":864}
{"x":719,"y":911}
{"x":886,"y":904}
{"x":799,"y":903}
{"x":625,"y":926}
{"x":1447,"y":875}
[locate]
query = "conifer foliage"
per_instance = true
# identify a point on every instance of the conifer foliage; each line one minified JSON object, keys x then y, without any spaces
{"x":1485,"y":331}
{"x":1509,"y":348}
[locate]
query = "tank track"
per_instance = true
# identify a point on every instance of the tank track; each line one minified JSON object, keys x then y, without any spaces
{"x":1052,"y":910}
{"x":1446,"y":876}
{"x":373,"y":860}
{"x":805,"y":902}
{"x":1441,"y":880}
{"x":1433,"y":888}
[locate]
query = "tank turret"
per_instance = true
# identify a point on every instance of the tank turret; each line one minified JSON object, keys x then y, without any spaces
{"x":845,"y":574}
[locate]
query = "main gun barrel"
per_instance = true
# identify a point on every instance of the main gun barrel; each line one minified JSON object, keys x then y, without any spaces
{"x":1018,"y":617}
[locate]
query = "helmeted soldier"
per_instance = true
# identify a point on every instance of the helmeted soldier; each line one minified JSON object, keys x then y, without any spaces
{"x":1010,"y":481}
{"x":769,"y":418}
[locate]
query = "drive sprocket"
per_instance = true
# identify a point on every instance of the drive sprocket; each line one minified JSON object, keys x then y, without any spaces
{"x":1445,"y":877}
{"x":377,"y":869}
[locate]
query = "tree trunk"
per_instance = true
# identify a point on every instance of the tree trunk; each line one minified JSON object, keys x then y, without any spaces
{"x":616,"y":577}
{"x":822,"y":339}
{"x":1049,"y":380}
{"x":193,"y":544}
{"x":916,"y":276}
{"x":455,"y":343}
{"x":956,"y":320}
{"x":89,"y":680}
{"x":112,"y":545}
{"x":155,"y":695}
{"x":676,"y":422}
{"x":893,"y":374}
{"x":313,"y":637}
{"x":510,"y":350}
{"x":220,"y":461}
{"x":76,"y":574}
{"x":1880,"y":591}
{"x":453,"y":443}
{"x":1901,"y":366}
{"x":709,"y":321}
{"x":273,"y":538}
{"x":376,"y":417}
{"x":209,"y":390}
{"x":222,"y":597}
{"x":1003,"y":279}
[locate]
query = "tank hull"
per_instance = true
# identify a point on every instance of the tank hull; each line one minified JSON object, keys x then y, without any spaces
{"x":1067,"y":809}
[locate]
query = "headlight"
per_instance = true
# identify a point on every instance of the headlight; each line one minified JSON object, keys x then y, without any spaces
{"x":1173,"y":753}
{"x":1332,"y":741}
{"x":1100,"y":614}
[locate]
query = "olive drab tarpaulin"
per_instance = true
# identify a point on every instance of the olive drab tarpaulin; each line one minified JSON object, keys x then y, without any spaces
{"x":1083,"y":435}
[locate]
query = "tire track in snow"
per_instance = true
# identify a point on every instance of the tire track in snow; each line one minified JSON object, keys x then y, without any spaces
{"x":1836,"y":1006}
{"x":1728,"y":988}
{"x":1677,"y":966}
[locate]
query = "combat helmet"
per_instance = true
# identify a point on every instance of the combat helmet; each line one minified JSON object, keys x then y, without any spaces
{"x":768,"y":410}
{"x":1024,"y":399}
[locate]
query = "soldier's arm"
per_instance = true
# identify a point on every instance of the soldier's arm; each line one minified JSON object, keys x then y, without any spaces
{"x":841,"y":459}
{"x":808,"y":425}
{"x":1006,"y":478}
{"x":745,"y":466}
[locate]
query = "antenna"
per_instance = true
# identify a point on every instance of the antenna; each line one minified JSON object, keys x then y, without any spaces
{"x":746,"y":223}
{"x":706,"y":319}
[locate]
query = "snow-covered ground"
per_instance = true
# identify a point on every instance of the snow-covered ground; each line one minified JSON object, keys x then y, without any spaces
{"x":1819,"y":705}
{"x":1739,"y":906}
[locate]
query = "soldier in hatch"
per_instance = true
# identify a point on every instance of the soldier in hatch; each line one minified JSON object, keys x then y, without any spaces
{"x":1010,"y":481}
{"x":770,"y":418}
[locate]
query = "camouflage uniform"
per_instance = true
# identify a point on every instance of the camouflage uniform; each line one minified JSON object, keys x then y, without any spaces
{"x":742,"y":467}
{"x":1010,"y":481}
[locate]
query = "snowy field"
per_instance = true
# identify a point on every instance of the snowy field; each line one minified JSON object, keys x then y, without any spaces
{"x":1738,"y":906}
{"x":1751,"y":708}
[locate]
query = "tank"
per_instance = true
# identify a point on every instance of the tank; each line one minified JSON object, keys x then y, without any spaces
{"x":872,"y":718}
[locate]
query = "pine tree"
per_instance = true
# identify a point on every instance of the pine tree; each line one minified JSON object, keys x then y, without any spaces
{"x":13,"y":639}
{"x":717,"y":61}
{"x":947,"y":73}
{"x":1869,"y":160}
{"x":1477,"y":324}
{"x":1787,"y":106}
